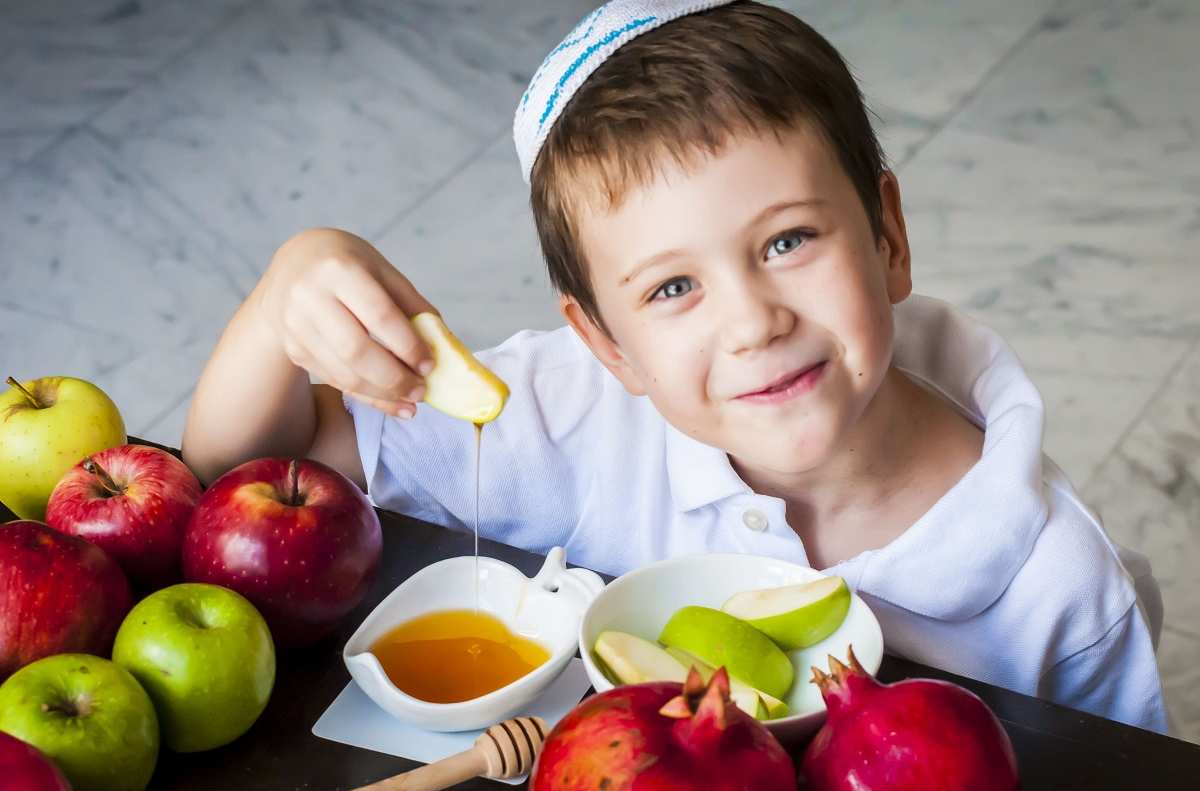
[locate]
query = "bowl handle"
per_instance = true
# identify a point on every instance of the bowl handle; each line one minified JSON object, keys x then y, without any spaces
{"x":580,"y":584}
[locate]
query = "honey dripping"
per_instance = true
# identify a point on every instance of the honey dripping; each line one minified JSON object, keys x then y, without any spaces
{"x":478,"y":443}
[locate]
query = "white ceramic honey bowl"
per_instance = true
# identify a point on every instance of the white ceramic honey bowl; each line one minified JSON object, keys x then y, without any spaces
{"x":546,"y":608}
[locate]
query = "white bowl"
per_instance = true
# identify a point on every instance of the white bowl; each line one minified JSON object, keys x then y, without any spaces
{"x":546,"y":609}
{"x":641,"y":601}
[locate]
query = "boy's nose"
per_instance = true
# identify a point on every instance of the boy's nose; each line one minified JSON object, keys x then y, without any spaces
{"x":752,"y":319}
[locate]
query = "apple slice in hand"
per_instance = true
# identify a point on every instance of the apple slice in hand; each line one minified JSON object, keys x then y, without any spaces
{"x":459,"y":384}
{"x":794,"y":616}
{"x":750,"y":700}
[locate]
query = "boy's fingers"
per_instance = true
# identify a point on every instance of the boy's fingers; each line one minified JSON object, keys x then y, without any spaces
{"x":403,"y":292}
{"x":326,"y":366}
{"x":335,"y":372}
{"x":400,"y":409}
{"x":371,"y":369}
{"x":384,"y":309}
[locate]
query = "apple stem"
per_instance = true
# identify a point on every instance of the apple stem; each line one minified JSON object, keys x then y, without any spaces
{"x":110,"y":486}
{"x":70,"y":708}
{"x":294,"y":471}
{"x":14,"y":383}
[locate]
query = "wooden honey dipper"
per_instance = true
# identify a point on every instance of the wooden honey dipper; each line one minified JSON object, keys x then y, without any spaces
{"x":502,"y":751}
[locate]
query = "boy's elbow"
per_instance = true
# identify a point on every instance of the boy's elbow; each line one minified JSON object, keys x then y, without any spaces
{"x":204,"y":454}
{"x":200,"y":460}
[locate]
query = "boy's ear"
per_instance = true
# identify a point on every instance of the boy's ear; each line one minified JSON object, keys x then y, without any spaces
{"x":893,"y":241}
{"x":601,"y":344}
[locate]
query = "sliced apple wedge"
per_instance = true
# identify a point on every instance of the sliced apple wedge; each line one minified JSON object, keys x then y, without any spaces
{"x":794,"y":616}
{"x":753,"y":701}
{"x":459,"y":384}
{"x":634,"y":660}
{"x":719,"y":639}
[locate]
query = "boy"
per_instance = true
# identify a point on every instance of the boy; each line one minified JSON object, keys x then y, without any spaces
{"x":744,"y":368}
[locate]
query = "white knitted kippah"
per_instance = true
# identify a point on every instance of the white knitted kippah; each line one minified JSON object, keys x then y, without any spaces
{"x":597,"y":36}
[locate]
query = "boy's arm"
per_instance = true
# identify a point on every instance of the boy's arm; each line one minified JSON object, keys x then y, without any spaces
{"x":334,"y":442}
{"x":1116,"y":677}
{"x":273,"y":412}
{"x":328,"y":303}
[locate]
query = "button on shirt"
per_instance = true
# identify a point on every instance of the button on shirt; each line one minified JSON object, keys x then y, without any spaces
{"x":1008,"y":578}
{"x":755,"y":520}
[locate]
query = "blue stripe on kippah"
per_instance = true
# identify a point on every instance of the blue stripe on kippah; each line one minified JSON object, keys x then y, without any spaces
{"x":590,"y":18}
{"x":590,"y":21}
{"x":587,"y":53}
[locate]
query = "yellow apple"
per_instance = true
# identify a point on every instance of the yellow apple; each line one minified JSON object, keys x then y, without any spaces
{"x":459,"y":384}
{"x":46,"y":426}
{"x":794,"y":616}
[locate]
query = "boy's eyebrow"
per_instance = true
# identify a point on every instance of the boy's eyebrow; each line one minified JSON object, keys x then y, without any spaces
{"x":666,"y":255}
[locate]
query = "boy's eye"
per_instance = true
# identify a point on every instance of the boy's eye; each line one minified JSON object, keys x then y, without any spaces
{"x":676,"y":287}
{"x":788,"y":242}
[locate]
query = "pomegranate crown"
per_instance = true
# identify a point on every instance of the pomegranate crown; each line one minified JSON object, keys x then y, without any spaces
{"x":833,"y":685}
{"x":703,"y":711}
{"x":698,"y":698}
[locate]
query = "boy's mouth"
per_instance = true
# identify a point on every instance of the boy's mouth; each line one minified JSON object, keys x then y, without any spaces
{"x":787,"y":386}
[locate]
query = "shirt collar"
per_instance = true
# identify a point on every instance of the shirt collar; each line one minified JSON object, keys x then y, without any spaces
{"x":699,"y":474}
{"x":958,"y":558}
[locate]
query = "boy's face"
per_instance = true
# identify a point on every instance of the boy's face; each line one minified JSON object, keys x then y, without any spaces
{"x":769,"y":330}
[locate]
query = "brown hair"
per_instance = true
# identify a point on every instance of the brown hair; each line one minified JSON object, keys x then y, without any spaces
{"x":683,"y":89}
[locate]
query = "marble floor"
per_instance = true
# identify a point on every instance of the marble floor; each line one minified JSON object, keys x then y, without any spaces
{"x":153,"y":153}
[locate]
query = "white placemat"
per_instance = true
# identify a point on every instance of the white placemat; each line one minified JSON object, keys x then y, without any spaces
{"x":354,"y":719}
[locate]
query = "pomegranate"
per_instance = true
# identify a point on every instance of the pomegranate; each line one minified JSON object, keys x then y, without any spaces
{"x":662,"y":736}
{"x":914,"y":735}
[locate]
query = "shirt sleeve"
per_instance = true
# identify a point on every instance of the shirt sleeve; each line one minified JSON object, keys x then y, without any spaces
{"x":1116,"y":677}
{"x":534,"y":462}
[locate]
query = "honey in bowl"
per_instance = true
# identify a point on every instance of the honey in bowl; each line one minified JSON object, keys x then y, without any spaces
{"x":454,"y":655}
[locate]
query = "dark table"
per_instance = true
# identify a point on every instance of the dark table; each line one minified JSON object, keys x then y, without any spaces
{"x":1057,"y":747}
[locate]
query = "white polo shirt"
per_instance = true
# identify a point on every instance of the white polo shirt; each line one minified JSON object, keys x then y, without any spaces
{"x":1008,"y":578}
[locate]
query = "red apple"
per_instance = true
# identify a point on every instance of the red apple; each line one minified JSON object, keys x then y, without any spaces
{"x":24,"y":768}
{"x":295,"y":537}
{"x":58,"y":594}
{"x":132,"y":501}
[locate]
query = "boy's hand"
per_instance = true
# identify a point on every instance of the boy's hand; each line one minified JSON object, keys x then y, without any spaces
{"x":341,"y":312}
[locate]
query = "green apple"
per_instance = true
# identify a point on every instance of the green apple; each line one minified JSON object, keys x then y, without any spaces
{"x":633,"y":660}
{"x":205,"y":655}
{"x":459,"y":384}
{"x":771,"y":707}
{"x":794,"y":616}
{"x":88,"y":715}
{"x":719,"y":639}
{"x":46,"y":426}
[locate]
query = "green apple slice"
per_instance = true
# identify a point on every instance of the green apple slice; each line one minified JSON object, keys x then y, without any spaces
{"x":744,"y":697}
{"x":459,"y":384}
{"x":754,"y":702}
{"x":634,"y":660}
{"x":719,"y":638}
{"x":794,"y":616}
{"x":774,"y":707}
